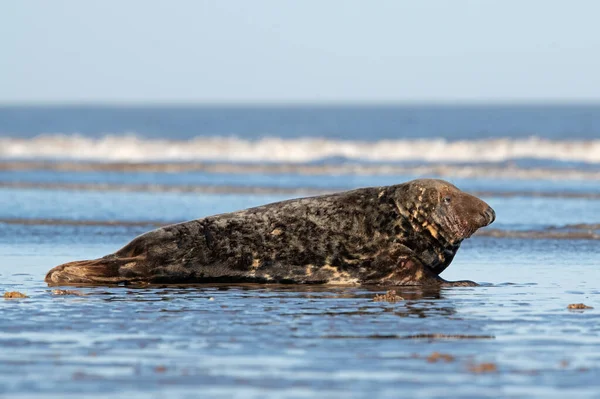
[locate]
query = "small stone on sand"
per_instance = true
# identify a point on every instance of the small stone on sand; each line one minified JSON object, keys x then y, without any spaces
{"x":389,"y":296}
{"x":483,"y":368}
{"x":579,"y":306}
{"x":14,"y":295}
{"x":437,"y":357}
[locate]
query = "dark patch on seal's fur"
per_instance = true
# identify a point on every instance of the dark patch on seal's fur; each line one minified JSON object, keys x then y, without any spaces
{"x":405,"y":234}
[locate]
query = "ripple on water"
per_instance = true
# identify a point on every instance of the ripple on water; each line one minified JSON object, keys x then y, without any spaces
{"x":514,"y":334}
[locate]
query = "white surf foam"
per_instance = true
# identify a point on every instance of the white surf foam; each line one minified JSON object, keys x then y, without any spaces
{"x":130,"y":148}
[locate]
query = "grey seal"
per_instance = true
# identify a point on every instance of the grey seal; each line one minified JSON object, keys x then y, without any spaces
{"x":399,"y":235}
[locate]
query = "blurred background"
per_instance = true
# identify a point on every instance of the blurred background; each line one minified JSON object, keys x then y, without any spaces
{"x":236,"y":103}
{"x":231,"y":98}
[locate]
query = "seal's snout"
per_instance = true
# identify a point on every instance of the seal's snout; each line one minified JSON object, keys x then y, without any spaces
{"x":490,"y":215}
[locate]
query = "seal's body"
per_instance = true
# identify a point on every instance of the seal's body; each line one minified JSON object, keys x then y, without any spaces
{"x":405,"y":234}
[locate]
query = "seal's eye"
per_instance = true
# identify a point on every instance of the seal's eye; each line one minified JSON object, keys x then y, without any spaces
{"x":446,"y":200}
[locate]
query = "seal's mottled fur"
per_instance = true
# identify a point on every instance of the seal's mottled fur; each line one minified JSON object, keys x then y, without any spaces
{"x":405,"y":234}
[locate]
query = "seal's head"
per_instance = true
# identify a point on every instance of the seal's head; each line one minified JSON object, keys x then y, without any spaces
{"x":442,"y":216}
{"x":446,"y":211}
{"x":459,"y":213}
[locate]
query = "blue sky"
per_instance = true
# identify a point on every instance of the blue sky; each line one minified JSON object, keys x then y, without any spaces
{"x":272,"y":51}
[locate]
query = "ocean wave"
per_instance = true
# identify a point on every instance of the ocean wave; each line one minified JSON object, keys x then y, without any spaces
{"x":582,"y":231}
{"x":441,"y":170}
{"x":131,"y":148}
{"x":259,"y":190}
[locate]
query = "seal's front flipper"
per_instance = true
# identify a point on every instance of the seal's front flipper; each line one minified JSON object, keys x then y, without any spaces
{"x":104,"y":271}
{"x":399,"y":267}
{"x":415,"y":273}
{"x":404,"y":268}
{"x":408,"y":270}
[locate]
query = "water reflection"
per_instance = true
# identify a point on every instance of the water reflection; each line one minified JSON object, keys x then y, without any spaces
{"x":417,"y":301}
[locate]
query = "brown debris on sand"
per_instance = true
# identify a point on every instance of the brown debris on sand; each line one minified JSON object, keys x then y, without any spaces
{"x":483,"y":368}
{"x":579,"y":306}
{"x":389,"y":296}
{"x":438,"y":357}
{"x":67,"y":292}
{"x":14,"y":295}
{"x":475,"y":368}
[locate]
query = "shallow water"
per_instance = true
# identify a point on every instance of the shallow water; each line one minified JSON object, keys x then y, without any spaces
{"x":290,"y":341}
{"x":513,"y":336}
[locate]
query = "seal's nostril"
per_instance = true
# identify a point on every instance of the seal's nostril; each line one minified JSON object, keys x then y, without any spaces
{"x":491,"y":215}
